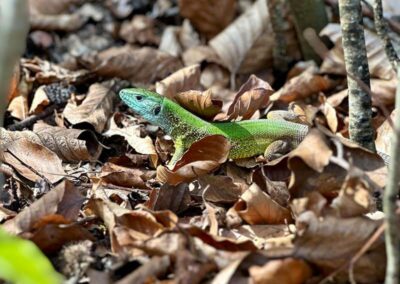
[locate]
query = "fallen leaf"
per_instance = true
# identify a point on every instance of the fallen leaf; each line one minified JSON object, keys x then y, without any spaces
{"x":317,"y":236}
{"x":94,"y":110}
{"x":252,"y":96}
{"x":302,"y":86}
{"x":257,"y":207}
{"x":202,"y":157}
{"x":385,"y":134}
{"x":199,"y":103}
{"x":33,"y":161}
{"x":288,"y":270}
{"x":168,"y":197}
{"x":208,"y":17}
{"x":140,"y":29}
{"x":233,"y":43}
{"x":141,"y":66}
{"x":49,"y":7}
{"x":65,"y":200}
{"x":182,"y":80}
{"x":220,"y":189}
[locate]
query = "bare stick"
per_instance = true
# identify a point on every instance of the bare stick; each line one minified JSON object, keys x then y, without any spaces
{"x":13,"y":30}
{"x":355,"y":54}
{"x":382,"y":29}
{"x":392,"y":233}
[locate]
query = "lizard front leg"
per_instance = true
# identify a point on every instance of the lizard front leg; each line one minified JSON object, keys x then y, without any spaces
{"x":276,"y":149}
{"x":179,"y":151}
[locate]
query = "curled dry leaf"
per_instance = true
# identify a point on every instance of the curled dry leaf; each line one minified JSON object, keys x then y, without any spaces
{"x":220,"y":189}
{"x":288,"y":270}
{"x":40,"y":101}
{"x":69,"y":144}
{"x":52,"y":232}
{"x":355,"y":197}
{"x":65,"y":200}
{"x":233,"y":43}
{"x":94,"y":110}
{"x":62,"y":22}
{"x":45,"y":72}
{"x":132,"y":136}
{"x":182,"y":80}
{"x":33,"y":161}
{"x":140,"y":29}
{"x":50,"y":7}
{"x":127,"y":226}
{"x":252,"y":96}
{"x":257,"y":207}
{"x":140,"y":66}
{"x":169,"y":41}
{"x":317,"y":236}
{"x":312,"y":169}
{"x":302,"y":86}
{"x":384,"y":135}
{"x":169,"y":197}
{"x":199,"y":103}
{"x":14,"y":82}
{"x":202,"y":157}
{"x":379,"y":65}
{"x":208,"y":17}
{"x":198,"y":54}
{"x":121,"y":172}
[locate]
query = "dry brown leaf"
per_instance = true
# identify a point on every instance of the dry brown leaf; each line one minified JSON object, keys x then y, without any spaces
{"x":14,"y":82}
{"x":317,"y":236}
{"x":121,"y":172}
{"x":252,"y":96}
{"x":68,"y":144}
{"x":169,"y":42}
{"x":51,"y":7}
{"x":141,"y":29}
{"x":379,"y":65}
{"x":168,"y":197}
{"x":127,"y":226}
{"x":257,"y":207}
{"x":220,"y":189}
{"x":182,"y":80}
{"x":62,"y":22}
{"x":384,"y":135}
{"x":233,"y":43}
{"x":18,"y":107}
{"x":198,"y":54}
{"x":199,"y":103}
{"x":33,"y":161}
{"x":40,"y":101}
{"x":288,"y":271}
{"x":64,"y":200}
{"x":45,"y":72}
{"x":140,"y":66}
{"x":355,"y":198}
{"x":202,"y":157}
{"x":302,"y":86}
{"x":132,"y":136}
{"x":208,"y":17}
{"x":312,"y":169}
{"x":95,"y":109}
{"x":330,"y":113}
{"x":52,"y":232}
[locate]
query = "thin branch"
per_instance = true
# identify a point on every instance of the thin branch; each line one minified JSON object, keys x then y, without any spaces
{"x":382,"y":29}
{"x":392,"y":233}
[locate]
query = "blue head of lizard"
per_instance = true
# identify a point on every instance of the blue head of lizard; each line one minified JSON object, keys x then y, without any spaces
{"x":145,"y":103}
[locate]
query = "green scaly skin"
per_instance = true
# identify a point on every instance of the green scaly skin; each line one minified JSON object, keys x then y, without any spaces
{"x":247,"y":138}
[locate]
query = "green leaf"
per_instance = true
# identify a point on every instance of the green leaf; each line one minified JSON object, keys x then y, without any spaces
{"x":22,"y":262}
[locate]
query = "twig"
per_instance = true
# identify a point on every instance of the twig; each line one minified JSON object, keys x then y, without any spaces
{"x":29,"y":121}
{"x":392,"y":220}
{"x":355,"y":54}
{"x":382,"y":28}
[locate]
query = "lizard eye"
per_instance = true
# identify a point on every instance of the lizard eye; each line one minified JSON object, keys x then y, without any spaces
{"x":157,"y":110}
{"x":139,"y":98}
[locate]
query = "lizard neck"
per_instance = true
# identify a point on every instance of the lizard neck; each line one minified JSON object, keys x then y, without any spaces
{"x":177,"y":121}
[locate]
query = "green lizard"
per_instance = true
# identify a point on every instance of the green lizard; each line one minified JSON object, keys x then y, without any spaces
{"x":248,"y":138}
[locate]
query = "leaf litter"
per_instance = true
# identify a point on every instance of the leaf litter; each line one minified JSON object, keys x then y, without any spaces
{"x":89,"y":183}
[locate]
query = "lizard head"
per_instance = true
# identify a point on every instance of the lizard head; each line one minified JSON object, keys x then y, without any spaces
{"x":146,"y":103}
